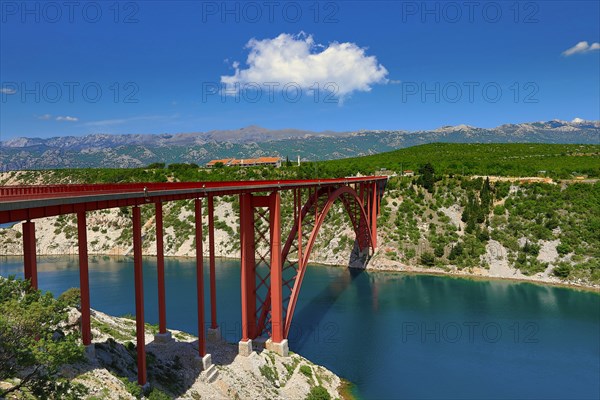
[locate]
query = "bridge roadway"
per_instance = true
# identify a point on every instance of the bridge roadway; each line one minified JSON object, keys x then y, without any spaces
{"x":18,"y":203}
{"x":266,"y":309}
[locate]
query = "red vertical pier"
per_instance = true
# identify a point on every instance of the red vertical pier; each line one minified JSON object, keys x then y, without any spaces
{"x":84,"y":282}
{"x":139,"y":295}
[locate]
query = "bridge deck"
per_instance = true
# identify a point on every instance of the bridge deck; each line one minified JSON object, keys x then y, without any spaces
{"x":18,"y":203}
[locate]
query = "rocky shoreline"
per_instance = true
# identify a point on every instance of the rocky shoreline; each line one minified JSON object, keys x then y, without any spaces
{"x":377,"y":263}
{"x":482,"y":273}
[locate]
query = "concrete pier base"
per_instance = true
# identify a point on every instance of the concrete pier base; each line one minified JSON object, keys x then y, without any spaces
{"x":214,"y":334}
{"x":280,"y":348}
{"x":204,"y":363}
{"x":245,"y":348}
{"x":163,"y":338}
{"x":90,"y":351}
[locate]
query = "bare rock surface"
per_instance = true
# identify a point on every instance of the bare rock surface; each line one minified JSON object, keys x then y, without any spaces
{"x":175,"y":368}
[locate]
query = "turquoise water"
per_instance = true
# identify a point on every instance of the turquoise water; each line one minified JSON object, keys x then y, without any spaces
{"x":393,"y":335}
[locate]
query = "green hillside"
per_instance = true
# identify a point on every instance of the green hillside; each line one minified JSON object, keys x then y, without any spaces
{"x":507,"y":159}
{"x":558,"y":160}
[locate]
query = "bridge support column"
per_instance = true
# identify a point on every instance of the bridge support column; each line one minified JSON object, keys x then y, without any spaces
{"x":248,"y":274}
{"x":214,"y":333}
{"x":200,"y":278}
{"x":277,"y":342}
{"x":163,"y":336}
{"x":373,"y":213}
{"x":29,"y":253}
{"x":84,"y":282}
{"x":139,"y":295}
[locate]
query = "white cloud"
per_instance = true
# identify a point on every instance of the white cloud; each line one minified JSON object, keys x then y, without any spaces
{"x":120,"y":121}
{"x":67,"y":118}
{"x":106,"y":122}
{"x":580,"y":48}
{"x":6,"y":90}
{"x":298,"y":60}
{"x":44,"y":117}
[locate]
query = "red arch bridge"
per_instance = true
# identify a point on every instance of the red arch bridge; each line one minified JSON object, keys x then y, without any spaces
{"x":269,"y":295}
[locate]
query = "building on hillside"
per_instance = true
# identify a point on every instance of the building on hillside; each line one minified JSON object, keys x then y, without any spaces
{"x":224,"y":162}
{"x":247,"y":162}
{"x":408,"y":172}
{"x":385,"y":172}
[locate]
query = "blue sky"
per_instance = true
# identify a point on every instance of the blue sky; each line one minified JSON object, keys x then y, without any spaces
{"x":183,"y":66}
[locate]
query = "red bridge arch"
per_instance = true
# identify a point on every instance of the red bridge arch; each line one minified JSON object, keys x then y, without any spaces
{"x":270,"y":295}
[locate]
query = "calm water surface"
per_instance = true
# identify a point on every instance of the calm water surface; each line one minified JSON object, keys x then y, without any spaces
{"x":393,"y":335}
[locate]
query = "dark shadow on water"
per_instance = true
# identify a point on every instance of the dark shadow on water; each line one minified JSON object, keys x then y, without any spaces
{"x":320,"y":304}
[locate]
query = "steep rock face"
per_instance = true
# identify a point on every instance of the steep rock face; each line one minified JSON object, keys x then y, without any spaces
{"x":134,"y":150}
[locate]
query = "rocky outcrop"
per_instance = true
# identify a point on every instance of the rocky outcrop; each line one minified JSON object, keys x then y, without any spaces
{"x":175,"y":369}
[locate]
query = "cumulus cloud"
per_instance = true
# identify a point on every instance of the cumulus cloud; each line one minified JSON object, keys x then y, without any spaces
{"x":67,"y":118}
{"x":44,"y":117}
{"x":298,"y":60}
{"x":580,"y":48}
{"x":6,"y":90}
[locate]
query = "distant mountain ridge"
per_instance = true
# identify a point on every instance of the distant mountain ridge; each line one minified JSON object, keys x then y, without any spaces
{"x":135,"y":150}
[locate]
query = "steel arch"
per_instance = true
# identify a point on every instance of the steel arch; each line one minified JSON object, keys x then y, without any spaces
{"x":362,"y":224}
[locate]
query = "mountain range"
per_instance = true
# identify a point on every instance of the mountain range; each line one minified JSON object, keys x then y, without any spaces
{"x":135,"y":150}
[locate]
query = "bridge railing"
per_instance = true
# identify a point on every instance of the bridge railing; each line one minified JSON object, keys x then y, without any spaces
{"x":39,"y":191}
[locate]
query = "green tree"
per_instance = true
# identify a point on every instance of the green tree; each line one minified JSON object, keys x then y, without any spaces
{"x":456,"y":251}
{"x":439,"y":251}
{"x":563,"y":248}
{"x":427,"y":177}
{"x":427,"y":259}
{"x":156,"y":165}
{"x":563,"y":270}
{"x":318,"y":393}
{"x":34,"y":342}
{"x":486,"y":194}
{"x":71,"y":297}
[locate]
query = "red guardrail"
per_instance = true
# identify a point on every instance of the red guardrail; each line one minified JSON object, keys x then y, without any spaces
{"x":26,"y":192}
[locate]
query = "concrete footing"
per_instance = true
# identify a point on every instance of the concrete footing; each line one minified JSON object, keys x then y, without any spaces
{"x":206,"y":362}
{"x":203,"y":362}
{"x":213,"y":334}
{"x":163,"y":337}
{"x":280,"y":348}
{"x":90,"y":351}
{"x":245,"y":348}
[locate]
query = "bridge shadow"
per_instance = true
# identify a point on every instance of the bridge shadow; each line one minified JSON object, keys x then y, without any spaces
{"x":320,"y":304}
